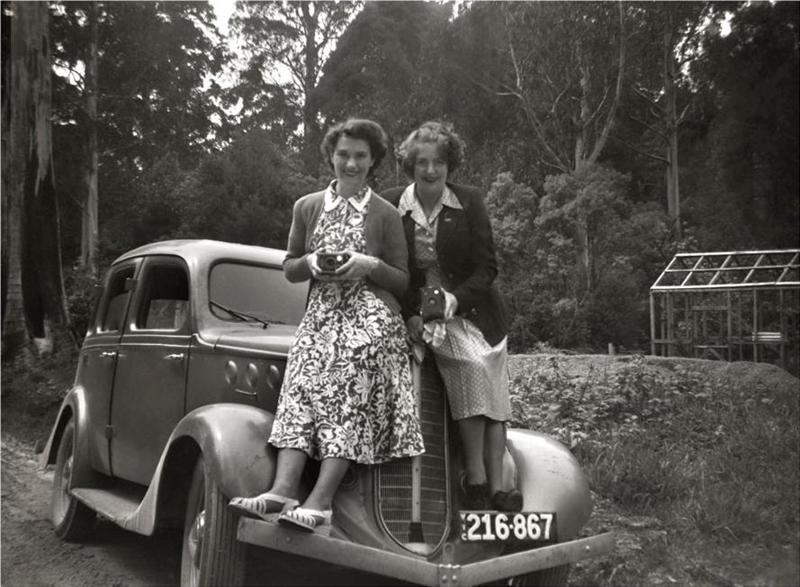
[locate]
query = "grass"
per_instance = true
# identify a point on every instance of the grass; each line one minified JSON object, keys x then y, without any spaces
{"x":708,"y":451}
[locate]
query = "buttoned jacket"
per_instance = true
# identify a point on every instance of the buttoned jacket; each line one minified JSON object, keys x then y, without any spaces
{"x":465,"y":251}
{"x":384,"y":237}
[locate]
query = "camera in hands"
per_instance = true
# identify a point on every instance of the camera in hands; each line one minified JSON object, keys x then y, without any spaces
{"x":432,"y":303}
{"x":331,"y":262}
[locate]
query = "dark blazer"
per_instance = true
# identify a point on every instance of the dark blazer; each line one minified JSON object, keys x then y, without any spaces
{"x":465,"y":247}
{"x":383,"y":232}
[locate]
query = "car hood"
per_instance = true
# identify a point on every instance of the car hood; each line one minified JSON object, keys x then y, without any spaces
{"x":277,"y":338}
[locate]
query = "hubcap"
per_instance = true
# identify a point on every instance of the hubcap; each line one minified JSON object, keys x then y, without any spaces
{"x":63,"y":493}
{"x":196,"y":538}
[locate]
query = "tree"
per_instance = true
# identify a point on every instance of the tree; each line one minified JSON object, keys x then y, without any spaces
{"x":151,"y":95}
{"x":89,"y":220}
{"x":563,"y":76}
{"x":565,"y":69}
{"x":664,"y":96}
{"x":291,"y":39}
{"x":385,"y":65}
{"x":34,"y":306}
{"x":745,"y":163}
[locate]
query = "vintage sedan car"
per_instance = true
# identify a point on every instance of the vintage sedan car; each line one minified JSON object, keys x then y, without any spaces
{"x":174,"y":395}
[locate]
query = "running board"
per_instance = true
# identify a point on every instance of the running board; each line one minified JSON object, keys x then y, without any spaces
{"x":121,"y":505}
{"x":417,"y":569}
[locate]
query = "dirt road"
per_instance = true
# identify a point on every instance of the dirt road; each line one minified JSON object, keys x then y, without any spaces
{"x":32,"y":556}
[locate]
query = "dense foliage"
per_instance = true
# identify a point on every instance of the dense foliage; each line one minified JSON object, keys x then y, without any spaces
{"x":580,"y":118}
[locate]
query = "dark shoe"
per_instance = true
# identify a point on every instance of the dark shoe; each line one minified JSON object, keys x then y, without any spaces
{"x":507,"y":501}
{"x":476,"y":497}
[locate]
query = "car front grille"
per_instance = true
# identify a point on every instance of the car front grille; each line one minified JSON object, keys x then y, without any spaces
{"x":395,"y":477}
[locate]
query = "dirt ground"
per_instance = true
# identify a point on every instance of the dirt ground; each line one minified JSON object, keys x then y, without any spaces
{"x":32,"y":556}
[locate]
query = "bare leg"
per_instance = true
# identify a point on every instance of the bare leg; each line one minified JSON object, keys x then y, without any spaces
{"x":472,"y":431}
{"x":289,"y":469}
{"x":331,"y":472}
{"x":493,"y":454}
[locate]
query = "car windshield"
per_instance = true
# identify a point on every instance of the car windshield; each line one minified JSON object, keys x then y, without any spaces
{"x":242,"y":292}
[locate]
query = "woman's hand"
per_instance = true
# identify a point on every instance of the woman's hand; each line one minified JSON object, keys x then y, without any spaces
{"x":414,"y":327}
{"x":358,"y":266}
{"x":316,"y":272}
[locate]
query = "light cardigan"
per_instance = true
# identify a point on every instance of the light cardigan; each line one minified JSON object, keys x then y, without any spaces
{"x":385,"y":241}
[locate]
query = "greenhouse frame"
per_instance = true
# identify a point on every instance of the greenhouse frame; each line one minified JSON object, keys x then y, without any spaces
{"x":734,"y":306}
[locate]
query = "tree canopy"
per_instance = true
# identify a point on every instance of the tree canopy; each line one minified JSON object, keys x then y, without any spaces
{"x":607,"y":136}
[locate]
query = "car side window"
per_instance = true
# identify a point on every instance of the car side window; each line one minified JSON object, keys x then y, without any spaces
{"x":164,"y":301}
{"x":118,"y":292}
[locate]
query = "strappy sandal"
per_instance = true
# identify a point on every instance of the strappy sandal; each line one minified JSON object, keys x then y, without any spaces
{"x":261,"y":506}
{"x":307,"y":520}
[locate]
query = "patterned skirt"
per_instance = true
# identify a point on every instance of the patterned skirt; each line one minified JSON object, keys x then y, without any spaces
{"x":348,"y":391}
{"x":474,"y":373}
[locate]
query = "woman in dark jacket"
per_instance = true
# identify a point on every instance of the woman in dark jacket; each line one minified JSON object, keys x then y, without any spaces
{"x":450,"y":245}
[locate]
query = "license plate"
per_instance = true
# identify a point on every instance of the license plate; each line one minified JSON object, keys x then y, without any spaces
{"x":506,"y":526}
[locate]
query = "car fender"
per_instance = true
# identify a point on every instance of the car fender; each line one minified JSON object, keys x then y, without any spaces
{"x":551,"y":480}
{"x":73,"y":407}
{"x":232,"y":439}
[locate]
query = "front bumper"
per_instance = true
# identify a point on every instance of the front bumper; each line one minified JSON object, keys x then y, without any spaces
{"x":417,"y":569}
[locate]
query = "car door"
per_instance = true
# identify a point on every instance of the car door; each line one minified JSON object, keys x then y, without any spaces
{"x":150,"y":379}
{"x":98,"y":358}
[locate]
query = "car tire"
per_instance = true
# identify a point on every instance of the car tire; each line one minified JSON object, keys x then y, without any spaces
{"x":72,"y":520}
{"x":211,"y":555}
{"x":552,"y":577}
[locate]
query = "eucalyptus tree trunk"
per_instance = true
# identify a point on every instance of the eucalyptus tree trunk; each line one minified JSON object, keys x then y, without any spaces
{"x":310,"y":24}
{"x":587,"y":152}
{"x":671,"y":124}
{"x":35,"y":301}
{"x":89,"y":219}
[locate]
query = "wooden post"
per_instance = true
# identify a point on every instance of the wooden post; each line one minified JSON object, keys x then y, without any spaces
{"x":729,"y":333}
{"x":755,"y":325}
{"x":652,"y":324}
{"x":670,"y":326}
{"x":781,"y":321}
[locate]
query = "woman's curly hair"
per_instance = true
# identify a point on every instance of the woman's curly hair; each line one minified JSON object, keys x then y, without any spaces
{"x":357,"y":128}
{"x":451,"y":146}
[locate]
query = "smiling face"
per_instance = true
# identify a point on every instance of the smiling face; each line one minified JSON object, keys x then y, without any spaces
{"x":351,"y":160}
{"x":430,"y":169}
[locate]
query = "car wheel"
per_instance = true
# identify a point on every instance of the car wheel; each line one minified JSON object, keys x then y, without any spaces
{"x":211,"y":554}
{"x":72,"y":520}
{"x":552,"y":577}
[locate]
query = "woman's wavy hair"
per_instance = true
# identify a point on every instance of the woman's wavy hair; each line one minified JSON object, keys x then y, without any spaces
{"x":357,"y":128}
{"x":451,"y":147}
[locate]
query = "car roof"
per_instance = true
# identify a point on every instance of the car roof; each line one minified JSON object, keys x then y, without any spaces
{"x":203,"y":251}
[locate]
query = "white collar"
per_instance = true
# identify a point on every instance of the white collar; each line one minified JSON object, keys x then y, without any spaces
{"x":409,"y":203}
{"x":332,"y":199}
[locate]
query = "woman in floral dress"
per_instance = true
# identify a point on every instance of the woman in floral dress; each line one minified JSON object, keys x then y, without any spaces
{"x":347,"y":395}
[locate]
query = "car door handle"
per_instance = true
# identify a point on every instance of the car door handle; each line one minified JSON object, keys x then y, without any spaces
{"x":175,"y":357}
{"x":108,"y":354}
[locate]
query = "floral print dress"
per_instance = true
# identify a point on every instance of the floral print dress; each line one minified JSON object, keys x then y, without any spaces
{"x":348,"y":391}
